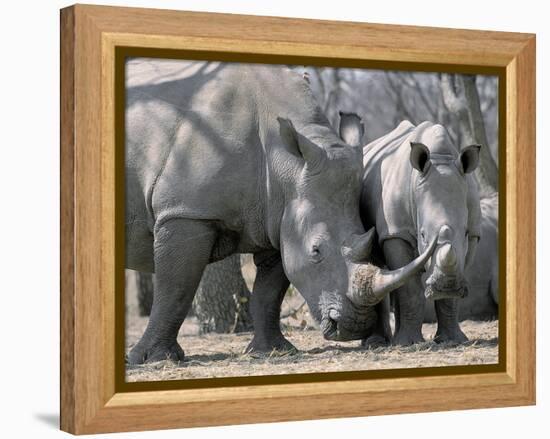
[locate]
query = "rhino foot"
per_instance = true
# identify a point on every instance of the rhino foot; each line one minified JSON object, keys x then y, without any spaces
{"x":374,"y":341}
{"x":407,"y":338}
{"x":455,"y":337}
{"x":278,"y":345}
{"x":141,"y":354}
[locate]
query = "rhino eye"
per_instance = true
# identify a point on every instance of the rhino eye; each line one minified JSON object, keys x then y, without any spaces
{"x":315,"y":254}
{"x":423,"y":236}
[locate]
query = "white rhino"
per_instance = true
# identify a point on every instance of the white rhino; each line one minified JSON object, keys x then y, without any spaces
{"x":417,"y":188}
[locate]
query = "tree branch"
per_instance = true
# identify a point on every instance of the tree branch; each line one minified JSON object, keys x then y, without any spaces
{"x":460,"y":96}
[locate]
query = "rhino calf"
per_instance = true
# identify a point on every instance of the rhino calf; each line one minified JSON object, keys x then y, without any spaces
{"x":481,"y":303}
{"x":229,"y":158}
{"x":417,"y":188}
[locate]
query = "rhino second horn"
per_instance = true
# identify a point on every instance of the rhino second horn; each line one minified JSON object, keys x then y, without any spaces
{"x":371,"y":284}
{"x":360,"y":248}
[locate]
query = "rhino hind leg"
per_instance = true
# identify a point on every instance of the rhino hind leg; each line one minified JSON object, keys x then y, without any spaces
{"x":182,"y":251}
{"x":448,"y":328}
{"x":269,"y":290}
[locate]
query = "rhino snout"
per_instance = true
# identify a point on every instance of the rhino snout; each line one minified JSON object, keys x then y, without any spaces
{"x":329,"y":326}
{"x":341,"y":320}
{"x":445,"y":287}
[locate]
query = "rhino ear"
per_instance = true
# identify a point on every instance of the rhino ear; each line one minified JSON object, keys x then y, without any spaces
{"x":468,"y":159}
{"x":420,"y":157}
{"x":351,"y":129}
{"x":309,"y":151}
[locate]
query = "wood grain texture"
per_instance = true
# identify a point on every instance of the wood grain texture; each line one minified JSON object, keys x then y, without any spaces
{"x":67,"y":254}
{"x":523,"y":166}
{"x":89,"y":36}
{"x":369,"y":41}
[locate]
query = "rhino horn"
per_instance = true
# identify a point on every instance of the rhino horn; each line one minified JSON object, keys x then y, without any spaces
{"x":446,"y":258}
{"x":371,"y":284}
{"x":387,"y":280}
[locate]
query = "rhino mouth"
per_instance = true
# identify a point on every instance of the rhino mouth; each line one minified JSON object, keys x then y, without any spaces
{"x":341,"y":320}
{"x":334,"y":330}
{"x":329,"y":328}
{"x":445,"y":289}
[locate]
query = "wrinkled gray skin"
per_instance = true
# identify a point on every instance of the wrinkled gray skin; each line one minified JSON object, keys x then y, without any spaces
{"x":417,"y":188}
{"x":240,"y":159}
{"x":481,"y":303}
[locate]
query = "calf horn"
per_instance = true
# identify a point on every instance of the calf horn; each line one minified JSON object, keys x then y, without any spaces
{"x":446,"y":258}
{"x":371,"y":284}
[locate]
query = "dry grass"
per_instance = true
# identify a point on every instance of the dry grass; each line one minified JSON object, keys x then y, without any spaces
{"x":220,"y":355}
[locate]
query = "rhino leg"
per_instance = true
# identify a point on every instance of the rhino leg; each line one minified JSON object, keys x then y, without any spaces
{"x":182,"y":250}
{"x":409,"y":300}
{"x":382,"y":331}
{"x":269,"y":290}
{"x":448,"y":329}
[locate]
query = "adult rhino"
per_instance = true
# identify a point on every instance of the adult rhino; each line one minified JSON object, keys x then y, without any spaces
{"x":228,"y":158}
{"x":416,"y":189}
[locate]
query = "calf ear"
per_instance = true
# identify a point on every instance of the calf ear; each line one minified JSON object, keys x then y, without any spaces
{"x":351,"y":129}
{"x":420,"y":157}
{"x":468,"y":159}
{"x":300,"y":144}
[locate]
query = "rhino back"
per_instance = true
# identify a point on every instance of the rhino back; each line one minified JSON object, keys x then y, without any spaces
{"x":483,"y":273}
{"x":384,"y":201}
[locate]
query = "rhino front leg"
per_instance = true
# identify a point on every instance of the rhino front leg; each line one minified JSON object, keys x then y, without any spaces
{"x":409,"y":299}
{"x":381,"y":335}
{"x":448,"y":328}
{"x":269,"y":290}
{"x":182,"y":251}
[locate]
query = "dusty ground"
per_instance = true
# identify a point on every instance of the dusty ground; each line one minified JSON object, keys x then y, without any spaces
{"x":220,"y":355}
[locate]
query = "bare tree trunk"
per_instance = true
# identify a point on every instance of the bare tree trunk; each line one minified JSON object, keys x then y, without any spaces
{"x":222,"y":299}
{"x":397,"y":83}
{"x":461,"y":97}
{"x":331,"y":88}
{"x":145,"y":293}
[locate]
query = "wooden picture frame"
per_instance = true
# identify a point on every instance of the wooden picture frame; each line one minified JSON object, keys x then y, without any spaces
{"x":91,"y":399}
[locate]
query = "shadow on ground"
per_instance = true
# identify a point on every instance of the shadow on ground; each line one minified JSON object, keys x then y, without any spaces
{"x":50,"y":419}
